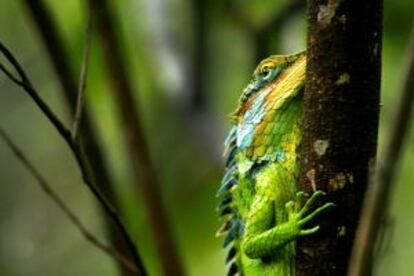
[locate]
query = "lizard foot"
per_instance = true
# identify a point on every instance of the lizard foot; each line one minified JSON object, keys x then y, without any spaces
{"x":301,"y":216}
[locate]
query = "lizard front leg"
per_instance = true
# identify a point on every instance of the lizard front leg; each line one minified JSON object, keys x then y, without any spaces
{"x":262,"y":240}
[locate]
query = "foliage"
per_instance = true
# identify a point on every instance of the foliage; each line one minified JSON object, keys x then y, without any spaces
{"x":36,"y":239}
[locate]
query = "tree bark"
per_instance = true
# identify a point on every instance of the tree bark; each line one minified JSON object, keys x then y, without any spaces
{"x":340,"y":123}
{"x":381,"y":189}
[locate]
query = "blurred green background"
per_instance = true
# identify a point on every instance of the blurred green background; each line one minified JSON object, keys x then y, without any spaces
{"x":159,"y":40}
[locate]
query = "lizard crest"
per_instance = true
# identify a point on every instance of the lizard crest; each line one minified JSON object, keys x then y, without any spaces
{"x":260,"y":200}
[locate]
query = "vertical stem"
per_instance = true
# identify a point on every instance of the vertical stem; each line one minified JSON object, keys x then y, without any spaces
{"x":380,"y":190}
{"x":145,"y":176}
{"x":66,"y":76}
{"x":340,"y":122}
{"x":200,"y":17}
{"x":83,"y":76}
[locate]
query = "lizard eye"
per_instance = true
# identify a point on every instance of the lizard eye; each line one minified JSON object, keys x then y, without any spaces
{"x":266,"y":72}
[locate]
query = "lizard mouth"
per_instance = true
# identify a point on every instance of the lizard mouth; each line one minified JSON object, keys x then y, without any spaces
{"x":253,"y":91}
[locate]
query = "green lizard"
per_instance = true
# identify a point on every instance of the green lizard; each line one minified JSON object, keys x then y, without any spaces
{"x":261,"y":201}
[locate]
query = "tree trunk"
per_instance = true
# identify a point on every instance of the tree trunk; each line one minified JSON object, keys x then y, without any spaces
{"x":340,"y":123}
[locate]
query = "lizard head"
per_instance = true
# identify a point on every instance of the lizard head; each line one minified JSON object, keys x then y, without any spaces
{"x":266,"y":74}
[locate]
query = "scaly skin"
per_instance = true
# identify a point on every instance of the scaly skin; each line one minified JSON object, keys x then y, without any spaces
{"x":260,"y":198}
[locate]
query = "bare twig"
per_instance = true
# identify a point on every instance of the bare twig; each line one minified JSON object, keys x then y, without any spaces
{"x":65,"y":209}
{"x":82,"y":77}
{"x":76,"y":151}
{"x":55,"y":49}
{"x":9,"y":74}
{"x":380,"y":190}
{"x":145,"y":174}
{"x":25,"y":83}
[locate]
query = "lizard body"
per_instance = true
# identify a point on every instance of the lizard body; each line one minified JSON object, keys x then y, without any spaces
{"x":261,"y":201}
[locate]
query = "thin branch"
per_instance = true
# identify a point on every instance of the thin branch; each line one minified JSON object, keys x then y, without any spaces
{"x":144,"y":172}
{"x":76,"y":151}
{"x":56,"y":50}
{"x":380,"y":190}
{"x":64,"y":208}
{"x":198,"y":99}
{"x":82,"y":77}
{"x":9,"y":74}
{"x":27,"y":86}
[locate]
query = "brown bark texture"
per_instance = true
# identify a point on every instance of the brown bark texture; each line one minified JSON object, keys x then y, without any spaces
{"x":340,"y":123}
{"x":376,"y":211}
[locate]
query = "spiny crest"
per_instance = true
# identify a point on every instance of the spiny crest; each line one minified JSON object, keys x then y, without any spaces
{"x":274,"y":80}
{"x":231,"y":227}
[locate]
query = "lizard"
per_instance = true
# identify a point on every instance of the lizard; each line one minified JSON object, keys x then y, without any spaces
{"x":262,"y":206}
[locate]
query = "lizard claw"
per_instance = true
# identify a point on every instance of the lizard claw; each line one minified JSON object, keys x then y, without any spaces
{"x":304,"y":215}
{"x":317,"y":212}
{"x":311,"y":231}
{"x":301,"y":196}
{"x":311,"y":201}
{"x":290,"y":207}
